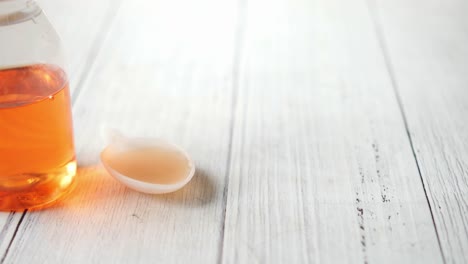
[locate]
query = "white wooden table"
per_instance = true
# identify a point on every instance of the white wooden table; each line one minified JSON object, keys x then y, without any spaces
{"x":325,"y":131}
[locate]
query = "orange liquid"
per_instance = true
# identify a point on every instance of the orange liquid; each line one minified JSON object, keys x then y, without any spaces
{"x":151,"y":165}
{"x":37,"y":158}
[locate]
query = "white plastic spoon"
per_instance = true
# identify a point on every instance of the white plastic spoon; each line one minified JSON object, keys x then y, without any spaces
{"x":148,"y":165}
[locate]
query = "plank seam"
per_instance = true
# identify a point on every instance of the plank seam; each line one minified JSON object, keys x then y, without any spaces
{"x":386,"y":56}
{"x":238,"y":40}
{"x":13,"y":237}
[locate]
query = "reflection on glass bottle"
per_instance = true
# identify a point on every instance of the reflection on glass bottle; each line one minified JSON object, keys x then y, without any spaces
{"x":37,"y":158}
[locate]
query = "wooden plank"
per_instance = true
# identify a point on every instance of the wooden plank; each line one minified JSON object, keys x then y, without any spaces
{"x":73,"y":20}
{"x":165,"y":71}
{"x":427,"y":48}
{"x":322,"y":170}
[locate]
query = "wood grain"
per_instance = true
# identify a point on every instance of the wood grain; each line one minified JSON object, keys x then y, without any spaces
{"x":426,"y":45}
{"x":323,"y":132}
{"x":163,"y":71}
{"x":322,"y":170}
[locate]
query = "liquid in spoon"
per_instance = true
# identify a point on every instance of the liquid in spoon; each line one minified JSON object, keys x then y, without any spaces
{"x":156,"y":165}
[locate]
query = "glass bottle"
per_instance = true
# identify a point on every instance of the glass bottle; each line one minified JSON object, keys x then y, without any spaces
{"x":37,"y":156}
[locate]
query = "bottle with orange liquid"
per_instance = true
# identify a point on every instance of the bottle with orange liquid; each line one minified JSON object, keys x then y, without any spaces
{"x":37,"y":156}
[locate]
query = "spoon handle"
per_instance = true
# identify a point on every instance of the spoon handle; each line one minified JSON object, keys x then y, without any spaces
{"x":111,"y":135}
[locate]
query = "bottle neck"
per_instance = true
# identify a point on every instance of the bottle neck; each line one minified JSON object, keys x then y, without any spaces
{"x":17,"y":11}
